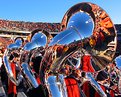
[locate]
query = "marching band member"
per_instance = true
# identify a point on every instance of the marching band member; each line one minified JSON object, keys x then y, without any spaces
{"x":102,"y":79}
{"x":12,"y":90}
{"x":86,"y":63}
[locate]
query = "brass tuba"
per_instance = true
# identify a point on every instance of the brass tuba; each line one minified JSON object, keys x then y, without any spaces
{"x":85,"y":27}
{"x":90,"y":28}
{"x":11,"y":48}
{"x":39,"y":39}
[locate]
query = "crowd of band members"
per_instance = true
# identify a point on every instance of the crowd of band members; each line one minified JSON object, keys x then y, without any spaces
{"x":107,"y":78}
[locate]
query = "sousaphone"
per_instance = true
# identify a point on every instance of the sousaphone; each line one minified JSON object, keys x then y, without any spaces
{"x":13,"y":47}
{"x":87,"y":28}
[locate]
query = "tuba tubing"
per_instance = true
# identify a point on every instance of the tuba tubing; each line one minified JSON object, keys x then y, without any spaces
{"x":95,"y":85}
{"x":8,"y":68}
{"x":29,"y":75}
{"x":56,"y":86}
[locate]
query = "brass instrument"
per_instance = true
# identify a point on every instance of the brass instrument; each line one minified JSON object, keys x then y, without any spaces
{"x":38,"y":39}
{"x":87,"y":27}
{"x":81,"y":26}
{"x":12,"y":47}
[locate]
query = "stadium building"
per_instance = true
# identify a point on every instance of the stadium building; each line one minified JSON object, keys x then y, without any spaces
{"x":11,"y":29}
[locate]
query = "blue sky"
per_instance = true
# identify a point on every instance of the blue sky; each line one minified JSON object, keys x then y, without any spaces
{"x":51,"y":10}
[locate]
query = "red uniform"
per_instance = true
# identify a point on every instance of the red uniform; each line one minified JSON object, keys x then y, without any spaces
{"x":72,"y":87}
{"x":11,"y":85}
{"x":86,"y":88}
{"x":97,"y":94}
{"x":112,"y":93}
{"x":86,"y":63}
